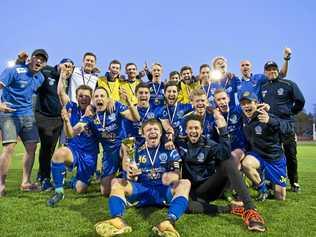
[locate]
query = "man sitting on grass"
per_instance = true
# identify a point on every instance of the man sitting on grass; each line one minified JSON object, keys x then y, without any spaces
{"x":209,"y":167}
{"x":152,"y":179}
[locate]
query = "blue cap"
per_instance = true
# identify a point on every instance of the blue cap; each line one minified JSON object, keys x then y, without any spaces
{"x":66,"y":60}
{"x":248,"y":95}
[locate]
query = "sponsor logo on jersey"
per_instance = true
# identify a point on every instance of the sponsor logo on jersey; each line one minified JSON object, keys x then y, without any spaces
{"x":21,"y":70}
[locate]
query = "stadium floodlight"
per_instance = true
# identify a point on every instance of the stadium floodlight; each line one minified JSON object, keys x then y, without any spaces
{"x":216,"y":75}
{"x":11,"y":63}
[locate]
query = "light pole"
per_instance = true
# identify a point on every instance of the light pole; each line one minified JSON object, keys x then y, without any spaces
{"x":314,"y":122}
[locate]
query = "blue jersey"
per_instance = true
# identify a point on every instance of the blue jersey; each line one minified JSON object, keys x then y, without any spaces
{"x":133,"y":129}
{"x":231,"y":87}
{"x":153,"y":162}
{"x":209,"y":91}
{"x":253,"y":84}
{"x":174,"y":114}
{"x":19,"y":86}
{"x":108,"y":127}
{"x":157,"y":97}
{"x":208,"y":124}
{"x":234,"y":121}
{"x":86,"y":141}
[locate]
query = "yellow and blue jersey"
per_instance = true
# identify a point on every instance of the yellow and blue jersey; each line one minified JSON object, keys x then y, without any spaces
{"x":129,"y":87}
{"x":86,"y":141}
{"x":174,"y":114}
{"x":108,"y":127}
{"x":185,"y":91}
{"x":133,"y":129}
{"x":153,"y":162}
{"x":112,"y":87}
{"x":157,"y":98}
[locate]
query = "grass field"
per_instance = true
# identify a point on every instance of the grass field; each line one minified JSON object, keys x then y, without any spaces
{"x":26,"y":214}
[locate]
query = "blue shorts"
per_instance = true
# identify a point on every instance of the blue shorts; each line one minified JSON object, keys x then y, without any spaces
{"x":146,"y":195}
{"x":14,"y":126}
{"x":275,"y":170}
{"x":86,"y":164}
{"x":110,"y":162}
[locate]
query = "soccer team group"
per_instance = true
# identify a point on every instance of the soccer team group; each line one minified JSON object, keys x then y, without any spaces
{"x":182,"y":142}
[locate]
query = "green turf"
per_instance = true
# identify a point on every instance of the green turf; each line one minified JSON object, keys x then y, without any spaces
{"x":26,"y":214}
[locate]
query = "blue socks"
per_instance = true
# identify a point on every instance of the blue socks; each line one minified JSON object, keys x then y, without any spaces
{"x":58,"y":173}
{"x":177,"y":207}
{"x":116,"y":206}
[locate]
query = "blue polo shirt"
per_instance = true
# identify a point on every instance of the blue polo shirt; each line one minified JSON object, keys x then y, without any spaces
{"x":253,"y":84}
{"x":19,"y":86}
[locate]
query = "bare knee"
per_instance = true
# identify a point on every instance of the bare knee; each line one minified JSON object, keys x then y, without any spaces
{"x":81,"y":187}
{"x":30,"y":148}
{"x":60,"y":155}
{"x":8,"y":149}
{"x":183,"y":188}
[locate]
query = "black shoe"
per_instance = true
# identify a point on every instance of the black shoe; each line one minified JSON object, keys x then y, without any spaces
{"x":295,"y":187}
{"x":262,"y":196}
{"x":57,"y":197}
{"x":47,"y":185}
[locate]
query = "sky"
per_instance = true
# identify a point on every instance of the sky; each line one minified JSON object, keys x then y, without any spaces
{"x":174,"y":33}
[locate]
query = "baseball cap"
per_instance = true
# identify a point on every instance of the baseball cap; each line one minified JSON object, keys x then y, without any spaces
{"x":248,"y":95}
{"x":66,"y":60}
{"x":270,"y":64}
{"x":40,"y":52}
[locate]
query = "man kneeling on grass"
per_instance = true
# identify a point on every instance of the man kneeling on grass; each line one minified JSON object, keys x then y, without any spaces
{"x":152,"y":179}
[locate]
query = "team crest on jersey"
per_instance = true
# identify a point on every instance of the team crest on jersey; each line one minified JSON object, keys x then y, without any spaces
{"x":51,"y":81}
{"x":112,"y":117}
{"x":150,"y":115}
{"x":280,"y":91}
{"x":163,"y":157}
{"x":200,"y":157}
{"x":229,"y":89}
{"x":151,"y":89}
{"x":21,"y":70}
{"x":258,"y":130}
{"x":233,"y":119}
{"x":264,"y":93}
{"x":213,"y":90}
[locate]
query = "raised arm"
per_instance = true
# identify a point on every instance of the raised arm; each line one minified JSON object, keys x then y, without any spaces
{"x":286,"y":56}
{"x":61,"y":90}
{"x":132,"y":112}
